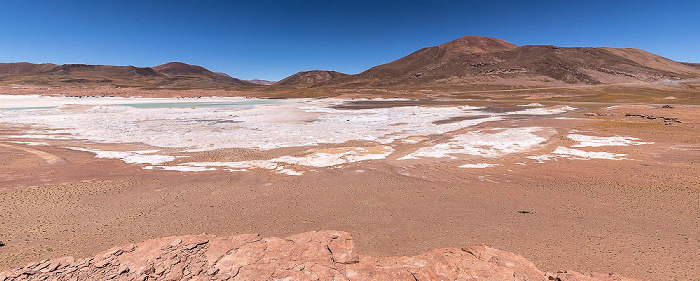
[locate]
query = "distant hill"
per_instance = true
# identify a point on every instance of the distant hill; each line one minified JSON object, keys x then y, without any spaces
{"x":169,"y":75}
{"x":197,"y":75}
{"x":691,"y":64}
{"x":261,"y":82}
{"x":484,"y":60}
{"x":24,"y":68}
{"x":310,"y":77}
{"x":180,"y":68}
{"x":107,"y":71}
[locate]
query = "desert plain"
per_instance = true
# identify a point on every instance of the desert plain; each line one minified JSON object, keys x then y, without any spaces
{"x":592,"y":179}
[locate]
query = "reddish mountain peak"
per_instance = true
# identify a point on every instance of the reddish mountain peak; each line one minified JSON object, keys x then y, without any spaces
{"x":181,"y":68}
{"x":313,"y":76}
{"x":476,"y":44}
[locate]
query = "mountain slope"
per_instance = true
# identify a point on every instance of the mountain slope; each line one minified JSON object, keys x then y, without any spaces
{"x":194,"y":74}
{"x":308,"y":77}
{"x":261,"y":82}
{"x":24,"y":68}
{"x":692,"y":64}
{"x":483,"y":60}
{"x":107,"y":71}
{"x":169,"y":75}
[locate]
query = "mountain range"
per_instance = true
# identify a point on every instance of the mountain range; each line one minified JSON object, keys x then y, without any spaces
{"x":169,"y":75}
{"x":458,"y":63}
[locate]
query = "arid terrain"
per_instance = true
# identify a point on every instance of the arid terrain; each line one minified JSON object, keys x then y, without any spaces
{"x":585,"y":186}
{"x":582,"y":172}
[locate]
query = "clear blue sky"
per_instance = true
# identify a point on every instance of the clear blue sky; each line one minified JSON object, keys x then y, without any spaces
{"x":274,"y":39}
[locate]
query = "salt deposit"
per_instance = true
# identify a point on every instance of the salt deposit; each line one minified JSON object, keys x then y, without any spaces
{"x":32,"y":143}
{"x":541,"y":158}
{"x":320,"y":158}
{"x":544,"y":111}
{"x":179,"y":168}
{"x":338,"y":156}
{"x":130,"y":157}
{"x":196,"y":125}
{"x":593,"y":141}
{"x":293,"y":123}
{"x":482,"y":143}
{"x":479,"y":165}
{"x":585,"y":155}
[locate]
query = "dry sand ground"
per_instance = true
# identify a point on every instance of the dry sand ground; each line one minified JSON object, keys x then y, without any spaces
{"x":639,"y":218}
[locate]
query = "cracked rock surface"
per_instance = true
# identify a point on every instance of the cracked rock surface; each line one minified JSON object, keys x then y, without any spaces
{"x":316,"y":255}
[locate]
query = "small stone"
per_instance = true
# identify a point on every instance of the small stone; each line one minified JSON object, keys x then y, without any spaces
{"x":102,"y":263}
{"x":176,"y":242}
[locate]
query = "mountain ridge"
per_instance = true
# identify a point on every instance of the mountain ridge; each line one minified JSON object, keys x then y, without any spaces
{"x":465,"y":61}
{"x":309,"y":77}
{"x":461,"y":63}
{"x":168,"y":75}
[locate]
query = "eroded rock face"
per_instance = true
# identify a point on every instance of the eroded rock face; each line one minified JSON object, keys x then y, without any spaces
{"x":318,"y":255}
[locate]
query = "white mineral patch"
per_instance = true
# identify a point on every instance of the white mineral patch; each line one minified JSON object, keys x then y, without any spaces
{"x":290,"y":172}
{"x":130,"y":157}
{"x":532,"y":104}
{"x":542,"y":158}
{"x":413,"y":140}
{"x":291,"y":123}
{"x":585,"y":155}
{"x":32,"y":143}
{"x":338,"y":156}
{"x":545,"y":111}
{"x":483,"y":144}
{"x":41,"y":136}
{"x":593,"y":141}
{"x":320,"y":158}
{"x":479,"y":165}
{"x":180,"y":168}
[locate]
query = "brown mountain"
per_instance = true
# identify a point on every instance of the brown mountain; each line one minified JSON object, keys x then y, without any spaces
{"x":691,"y":64}
{"x":194,"y":74}
{"x":310,"y":77}
{"x":107,"y":71}
{"x":24,"y":68}
{"x":77,"y":74}
{"x":261,"y":82}
{"x":484,"y":60}
{"x":222,"y":74}
{"x":169,"y":75}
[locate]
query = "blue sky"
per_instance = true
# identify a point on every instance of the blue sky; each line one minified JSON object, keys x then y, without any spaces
{"x":274,"y":39}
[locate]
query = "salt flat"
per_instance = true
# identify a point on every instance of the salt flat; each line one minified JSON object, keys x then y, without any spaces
{"x":195,"y":125}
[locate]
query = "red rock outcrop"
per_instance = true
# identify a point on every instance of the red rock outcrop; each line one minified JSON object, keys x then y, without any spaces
{"x":322,"y":255}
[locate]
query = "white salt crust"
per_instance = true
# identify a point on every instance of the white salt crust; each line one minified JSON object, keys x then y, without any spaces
{"x":479,"y":165}
{"x":593,"y":141}
{"x":482,"y":143}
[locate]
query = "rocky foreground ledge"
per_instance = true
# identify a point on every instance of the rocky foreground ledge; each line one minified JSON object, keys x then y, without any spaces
{"x":322,"y":255}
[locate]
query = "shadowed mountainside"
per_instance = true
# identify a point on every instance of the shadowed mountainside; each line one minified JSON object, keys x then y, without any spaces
{"x":261,"y":82}
{"x":310,"y":77}
{"x":691,"y":64}
{"x":187,"y":74}
{"x":169,"y":75}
